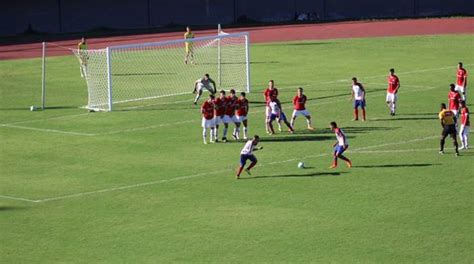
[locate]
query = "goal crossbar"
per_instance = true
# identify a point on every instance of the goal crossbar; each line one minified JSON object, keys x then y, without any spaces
{"x":178,"y":41}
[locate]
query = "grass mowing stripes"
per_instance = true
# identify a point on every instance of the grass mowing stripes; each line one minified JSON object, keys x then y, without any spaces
{"x":393,"y":206}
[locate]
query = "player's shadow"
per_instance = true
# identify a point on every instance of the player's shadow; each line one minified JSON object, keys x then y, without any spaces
{"x":306,"y":175}
{"x":10,"y":208}
{"x":404,"y":119}
{"x":355,"y":130}
{"x":295,"y":138}
{"x":422,"y":114}
{"x":398,"y":165}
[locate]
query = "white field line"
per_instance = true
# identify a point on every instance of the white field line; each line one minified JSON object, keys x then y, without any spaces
{"x":44,"y":119}
{"x":18,"y":199}
{"x":126,"y":187}
{"x":50,"y":130}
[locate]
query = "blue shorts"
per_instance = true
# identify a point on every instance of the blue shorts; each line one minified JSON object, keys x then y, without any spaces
{"x":359,"y":103}
{"x":339,"y":149}
{"x":245,"y":157}
{"x":282,"y":117}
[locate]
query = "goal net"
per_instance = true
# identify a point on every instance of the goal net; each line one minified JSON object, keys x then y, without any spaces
{"x":136,"y":72}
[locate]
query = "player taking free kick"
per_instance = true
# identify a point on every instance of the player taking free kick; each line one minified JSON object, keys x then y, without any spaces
{"x":358,"y":95}
{"x":207,"y":110}
{"x":340,"y":146}
{"x":299,"y":102}
{"x":246,"y":154}
{"x":204,"y":82}
{"x":392,"y":90}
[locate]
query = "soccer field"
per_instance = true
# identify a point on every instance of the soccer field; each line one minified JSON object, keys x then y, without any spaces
{"x":138,"y":185}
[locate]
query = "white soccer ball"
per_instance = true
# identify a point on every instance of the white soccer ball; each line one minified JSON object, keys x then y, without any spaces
{"x":301,"y":165}
{"x":32,"y":108}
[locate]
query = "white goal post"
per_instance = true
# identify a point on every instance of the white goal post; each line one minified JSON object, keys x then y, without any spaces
{"x":137,"y":72}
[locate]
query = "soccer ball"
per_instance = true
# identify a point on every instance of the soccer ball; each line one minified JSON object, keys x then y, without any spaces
{"x":32,"y":108}
{"x":301,"y":165}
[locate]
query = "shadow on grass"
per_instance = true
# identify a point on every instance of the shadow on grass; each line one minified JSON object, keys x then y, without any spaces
{"x":11,"y":208}
{"x":397,"y":165}
{"x":404,"y":119}
{"x":307,"y":175}
{"x":355,"y":130}
{"x":293,"y":138}
{"x":422,"y":114}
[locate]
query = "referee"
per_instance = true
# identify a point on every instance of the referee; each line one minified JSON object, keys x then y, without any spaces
{"x":449,"y":128}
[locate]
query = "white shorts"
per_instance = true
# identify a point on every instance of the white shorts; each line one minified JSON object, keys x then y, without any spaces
{"x":301,"y":112}
{"x":267,"y":112}
{"x":201,"y":86}
{"x":207,"y":123}
{"x":464,"y":131}
{"x":240,"y":119}
{"x":218,"y":120}
{"x":228,"y":119}
{"x":459,"y":89}
{"x":455,"y":112}
{"x":391,"y":97}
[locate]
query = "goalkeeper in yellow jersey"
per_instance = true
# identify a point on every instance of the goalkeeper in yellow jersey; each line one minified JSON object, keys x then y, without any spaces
{"x":83,"y":57}
{"x":188,"y":46}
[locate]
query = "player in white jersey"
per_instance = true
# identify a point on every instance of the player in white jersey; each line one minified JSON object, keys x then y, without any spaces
{"x":358,"y":95}
{"x":200,"y":84}
{"x":246,"y":154}
{"x":340,"y":146}
{"x":276,"y":113}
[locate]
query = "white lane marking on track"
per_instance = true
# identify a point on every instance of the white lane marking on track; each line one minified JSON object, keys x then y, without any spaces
{"x":125,"y":187}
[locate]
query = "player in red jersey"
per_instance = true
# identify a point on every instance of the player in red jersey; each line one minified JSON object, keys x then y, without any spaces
{"x":229,"y":116}
{"x":454,"y":99}
{"x":241,"y":115}
{"x":220,"y":104}
{"x":461,"y":82}
{"x":270,"y":92}
{"x":465,"y":125}
{"x":392,"y":90}
{"x":207,"y":110}
{"x":299,"y":102}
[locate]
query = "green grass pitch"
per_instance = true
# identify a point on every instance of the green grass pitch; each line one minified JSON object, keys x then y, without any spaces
{"x":138,"y":186}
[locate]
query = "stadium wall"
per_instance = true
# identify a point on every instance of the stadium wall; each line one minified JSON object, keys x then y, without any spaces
{"x":64,"y":16}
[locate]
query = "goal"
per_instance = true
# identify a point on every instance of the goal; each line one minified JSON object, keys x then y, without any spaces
{"x":137,"y":72}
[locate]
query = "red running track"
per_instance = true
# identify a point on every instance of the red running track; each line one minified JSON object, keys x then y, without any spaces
{"x":359,"y":29}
